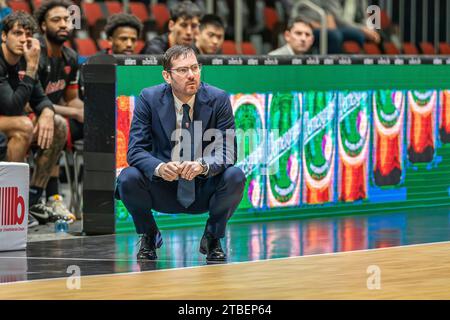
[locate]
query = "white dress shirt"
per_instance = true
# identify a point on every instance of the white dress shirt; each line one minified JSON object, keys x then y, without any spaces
{"x":179,"y":119}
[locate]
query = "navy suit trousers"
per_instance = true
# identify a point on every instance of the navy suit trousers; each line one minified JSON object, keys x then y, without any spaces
{"x":219,"y":195}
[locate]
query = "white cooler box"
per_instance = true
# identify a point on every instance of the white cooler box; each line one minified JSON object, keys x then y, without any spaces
{"x":14,"y":186}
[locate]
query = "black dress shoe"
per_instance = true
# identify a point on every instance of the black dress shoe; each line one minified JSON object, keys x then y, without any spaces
{"x":211,"y":246}
{"x":149,"y":244}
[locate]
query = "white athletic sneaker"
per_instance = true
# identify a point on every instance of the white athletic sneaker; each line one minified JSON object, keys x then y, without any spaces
{"x":41,"y":212}
{"x":32,"y":222}
{"x":56,"y":203}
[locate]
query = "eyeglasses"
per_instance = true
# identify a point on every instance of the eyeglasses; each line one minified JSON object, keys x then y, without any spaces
{"x":183,"y":71}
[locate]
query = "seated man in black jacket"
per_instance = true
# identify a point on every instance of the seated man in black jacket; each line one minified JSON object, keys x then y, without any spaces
{"x":20,"y":89}
{"x":183,"y":28}
{"x":211,"y":36}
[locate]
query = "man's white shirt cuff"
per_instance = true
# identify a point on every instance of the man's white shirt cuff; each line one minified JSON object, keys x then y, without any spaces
{"x":156,"y":173}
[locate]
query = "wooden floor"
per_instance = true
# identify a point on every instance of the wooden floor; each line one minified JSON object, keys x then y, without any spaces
{"x":407,"y":272}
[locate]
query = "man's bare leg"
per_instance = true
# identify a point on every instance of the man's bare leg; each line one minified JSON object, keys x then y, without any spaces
{"x":55,"y":172}
{"x":52,"y":185}
{"x":46,"y":159}
{"x":19,"y":130}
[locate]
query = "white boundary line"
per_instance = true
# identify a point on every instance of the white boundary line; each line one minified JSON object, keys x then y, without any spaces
{"x":91,"y":259}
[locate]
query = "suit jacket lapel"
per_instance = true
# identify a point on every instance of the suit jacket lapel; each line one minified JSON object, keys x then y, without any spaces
{"x":202,"y":111}
{"x":166,"y":113}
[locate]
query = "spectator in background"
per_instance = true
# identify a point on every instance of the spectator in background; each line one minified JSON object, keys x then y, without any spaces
{"x":4,"y":11}
{"x":339,"y":28}
{"x":299,"y":38}
{"x":58,"y":74}
{"x":19,"y":88}
{"x":183,"y":28}
{"x":123,"y":31}
{"x":211,"y":36}
{"x":354,"y":13}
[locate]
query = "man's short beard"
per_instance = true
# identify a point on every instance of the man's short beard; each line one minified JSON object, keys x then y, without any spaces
{"x":54,"y":38}
{"x":11,"y":51}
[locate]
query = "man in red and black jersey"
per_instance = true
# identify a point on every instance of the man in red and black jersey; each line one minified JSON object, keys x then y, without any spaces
{"x":21,"y":90}
{"x":123,"y":31}
{"x":58,"y":73}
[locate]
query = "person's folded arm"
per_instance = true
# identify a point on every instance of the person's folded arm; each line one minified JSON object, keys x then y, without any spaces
{"x":13,"y":101}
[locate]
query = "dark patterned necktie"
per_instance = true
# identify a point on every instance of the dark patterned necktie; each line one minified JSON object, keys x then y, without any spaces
{"x":186,"y":188}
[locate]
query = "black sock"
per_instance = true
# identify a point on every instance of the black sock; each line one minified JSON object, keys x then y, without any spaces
{"x":52,"y":187}
{"x":35,"y":194}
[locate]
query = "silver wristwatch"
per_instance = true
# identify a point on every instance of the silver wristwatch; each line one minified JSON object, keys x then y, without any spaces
{"x":204,"y":165}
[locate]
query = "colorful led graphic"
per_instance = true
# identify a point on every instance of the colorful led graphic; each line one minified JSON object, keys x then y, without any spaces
{"x":249,"y":113}
{"x":353,"y":145}
{"x":319,"y":147}
{"x":284,"y":152}
{"x":299,"y":149}
{"x":388,"y":134}
{"x":421,"y":125}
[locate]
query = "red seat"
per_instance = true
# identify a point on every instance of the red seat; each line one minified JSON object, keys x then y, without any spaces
{"x":92,"y":12}
{"x":390,"y":48}
{"x":371,"y":48}
{"x":139,"y":45}
{"x":229,"y":47}
{"x":113,"y":7}
{"x":248,"y":48}
{"x":385,"y":21}
{"x":19,"y":5}
{"x":68,"y":44}
{"x":270,"y":18}
{"x":103,"y":44}
{"x":161,"y":15}
{"x":139,"y":10}
{"x":85,"y":47}
{"x":444,"y":48}
{"x":410,"y":48}
{"x":351,"y":47}
{"x":36,"y":4}
{"x":427,"y":48}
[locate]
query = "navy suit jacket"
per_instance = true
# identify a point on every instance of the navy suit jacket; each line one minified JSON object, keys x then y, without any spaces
{"x":154,"y":120}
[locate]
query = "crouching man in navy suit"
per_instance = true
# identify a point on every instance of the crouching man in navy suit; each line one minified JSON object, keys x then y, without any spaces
{"x":170,"y":172}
